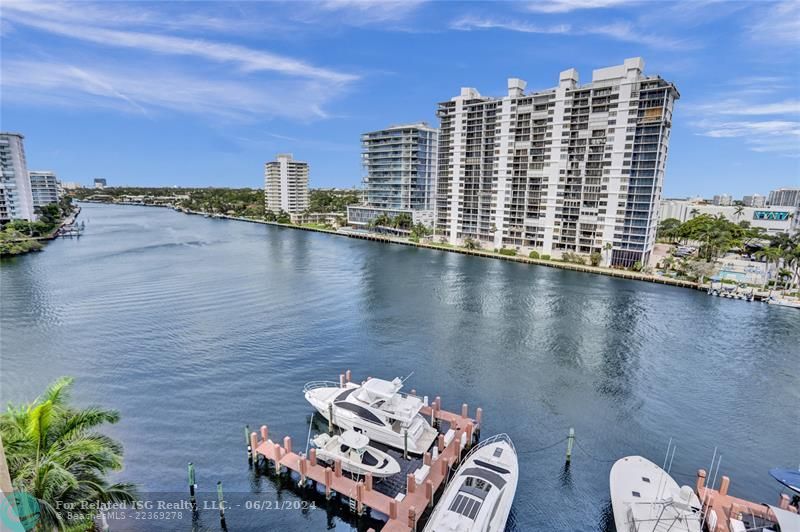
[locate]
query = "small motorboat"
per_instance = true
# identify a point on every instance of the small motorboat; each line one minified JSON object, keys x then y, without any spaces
{"x":376,"y":409}
{"x":357,"y":456}
{"x":645,"y":498}
{"x":479,"y":497}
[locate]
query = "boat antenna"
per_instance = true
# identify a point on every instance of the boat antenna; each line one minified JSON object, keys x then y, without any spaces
{"x":308,"y":440}
{"x":706,"y":496}
{"x":408,"y":377}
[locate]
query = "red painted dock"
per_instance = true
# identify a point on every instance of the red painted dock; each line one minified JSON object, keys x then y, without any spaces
{"x":403,"y":514}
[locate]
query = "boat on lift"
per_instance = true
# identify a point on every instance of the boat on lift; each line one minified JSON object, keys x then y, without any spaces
{"x":377,"y":409}
{"x":645,"y":498}
{"x":357,"y":456}
{"x":479,"y":496}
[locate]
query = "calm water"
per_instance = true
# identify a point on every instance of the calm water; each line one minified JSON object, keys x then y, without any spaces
{"x":194,"y":327}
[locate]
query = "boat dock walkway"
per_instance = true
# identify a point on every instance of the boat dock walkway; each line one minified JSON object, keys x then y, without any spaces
{"x":404,"y":510}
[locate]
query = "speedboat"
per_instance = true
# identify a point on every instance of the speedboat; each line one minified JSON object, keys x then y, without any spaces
{"x":645,"y":498}
{"x":479,"y":496}
{"x":357,"y":456}
{"x":377,"y":410}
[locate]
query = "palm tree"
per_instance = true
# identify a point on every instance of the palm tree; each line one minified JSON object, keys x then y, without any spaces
{"x":694,"y":212}
{"x":738,"y":211}
{"x":55,"y":455}
{"x":770,"y":255}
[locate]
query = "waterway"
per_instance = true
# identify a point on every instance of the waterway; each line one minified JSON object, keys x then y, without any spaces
{"x":194,"y":327}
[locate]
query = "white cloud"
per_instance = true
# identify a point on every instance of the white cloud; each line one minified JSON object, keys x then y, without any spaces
{"x":372,"y":11}
{"x":127,"y":89}
{"x":248,"y":59}
{"x":565,"y":6}
{"x":469,"y":23}
{"x":621,"y":31}
{"x":739,"y":107}
{"x":777,"y":24}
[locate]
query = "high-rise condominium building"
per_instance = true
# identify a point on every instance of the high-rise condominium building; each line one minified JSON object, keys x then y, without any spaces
{"x":45,"y":188}
{"x":286,"y":185}
{"x":754,"y":200}
{"x":785,"y":197}
{"x":16,"y":202}
{"x":100,"y":182}
{"x":399,"y":174}
{"x":577,"y":168}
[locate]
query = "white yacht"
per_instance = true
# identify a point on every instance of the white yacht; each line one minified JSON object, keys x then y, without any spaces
{"x":646,"y":499}
{"x":479,"y":496}
{"x":357,"y":456}
{"x":376,"y":409}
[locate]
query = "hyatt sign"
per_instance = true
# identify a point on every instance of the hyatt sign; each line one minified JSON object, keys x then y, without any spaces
{"x":778,"y":216}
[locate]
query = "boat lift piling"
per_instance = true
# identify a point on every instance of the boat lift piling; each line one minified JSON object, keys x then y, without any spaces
{"x":221,"y":500}
{"x":420,"y":486}
{"x":570,"y":443}
{"x":192,"y":486}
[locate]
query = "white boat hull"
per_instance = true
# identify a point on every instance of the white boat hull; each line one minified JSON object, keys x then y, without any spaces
{"x":481,"y":492}
{"x":420,"y":437}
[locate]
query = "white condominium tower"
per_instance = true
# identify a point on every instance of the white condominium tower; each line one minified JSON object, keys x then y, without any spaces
{"x":45,"y":188}
{"x":16,"y":202}
{"x":572,"y":169}
{"x":399,"y":173}
{"x":286,"y":185}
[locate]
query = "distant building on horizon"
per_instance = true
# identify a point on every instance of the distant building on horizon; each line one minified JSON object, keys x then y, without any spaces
{"x":286,"y":185}
{"x":399,"y":174}
{"x":576,"y":168}
{"x":45,"y":188}
{"x":784,"y":197}
{"x":722,"y":200}
{"x":100,"y":183}
{"x":71,"y":185}
{"x":16,"y":201}
{"x":754,"y":200}
{"x":775,"y":219}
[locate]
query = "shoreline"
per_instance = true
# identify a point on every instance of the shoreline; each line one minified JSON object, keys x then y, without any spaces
{"x":52,"y":235}
{"x":759,"y":296}
{"x":609,"y":272}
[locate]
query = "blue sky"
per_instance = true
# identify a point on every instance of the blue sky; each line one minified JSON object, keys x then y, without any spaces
{"x":190,"y":93}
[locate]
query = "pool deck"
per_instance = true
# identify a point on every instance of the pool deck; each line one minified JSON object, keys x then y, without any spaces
{"x":403,"y":512}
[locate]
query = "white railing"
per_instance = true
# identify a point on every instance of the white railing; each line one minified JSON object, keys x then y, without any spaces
{"x":313,"y":385}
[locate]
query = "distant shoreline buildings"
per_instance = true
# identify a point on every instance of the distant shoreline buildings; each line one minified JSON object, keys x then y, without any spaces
{"x":45,"y":188}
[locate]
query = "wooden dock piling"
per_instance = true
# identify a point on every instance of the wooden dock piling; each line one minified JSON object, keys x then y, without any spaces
{"x":570,"y":442}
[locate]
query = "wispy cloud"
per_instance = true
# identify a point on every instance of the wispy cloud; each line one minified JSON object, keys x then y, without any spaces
{"x":765,"y":125}
{"x":372,"y":11}
{"x":777,"y":23}
{"x":565,"y":6}
{"x":468,"y":23}
{"x":248,"y":59}
{"x":621,"y":31}
{"x":128,"y":90}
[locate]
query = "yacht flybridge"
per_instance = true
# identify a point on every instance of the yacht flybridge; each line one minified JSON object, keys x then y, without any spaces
{"x":479,"y":496}
{"x":645,"y":498}
{"x":377,"y":410}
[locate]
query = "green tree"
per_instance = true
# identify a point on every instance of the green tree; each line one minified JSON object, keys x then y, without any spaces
{"x":771,"y":255}
{"x":595,"y":258}
{"x":668,"y":229}
{"x":402,"y":221}
{"x":469,"y":243}
{"x":55,"y":454}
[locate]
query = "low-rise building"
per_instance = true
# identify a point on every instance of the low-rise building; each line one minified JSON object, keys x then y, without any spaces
{"x":775,"y":219}
{"x":45,"y":188}
{"x":784,"y":196}
{"x":754,"y":200}
{"x":722,"y":200}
